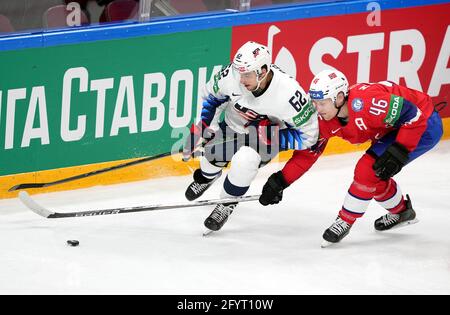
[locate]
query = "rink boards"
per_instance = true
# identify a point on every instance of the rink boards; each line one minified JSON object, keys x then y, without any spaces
{"x":71,"y":103}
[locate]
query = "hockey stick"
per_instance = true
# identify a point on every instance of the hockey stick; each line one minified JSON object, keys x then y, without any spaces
{"x":85,"y":175}
{"x":97,"y":172}
{"x":46,"y":213}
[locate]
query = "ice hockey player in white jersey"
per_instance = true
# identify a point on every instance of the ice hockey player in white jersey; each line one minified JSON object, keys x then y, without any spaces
{"x":265,"y":111}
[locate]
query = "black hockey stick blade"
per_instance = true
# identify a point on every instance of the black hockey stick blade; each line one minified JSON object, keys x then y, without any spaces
{"x":27,"y":186}
{"x":46,"y":213}
{"x":85,"y":175}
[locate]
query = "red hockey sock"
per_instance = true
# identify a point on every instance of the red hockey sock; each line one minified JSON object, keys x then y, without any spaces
{"x":391,"y":197}
{"x":348,"y":216}
{"x":356,"y":202}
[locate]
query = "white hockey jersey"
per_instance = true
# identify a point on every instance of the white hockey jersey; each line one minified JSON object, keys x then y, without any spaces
{"x":284,"y":102}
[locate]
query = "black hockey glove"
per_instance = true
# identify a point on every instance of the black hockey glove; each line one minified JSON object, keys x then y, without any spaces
{"x":391,"y":161}
{"x":272,"y":192}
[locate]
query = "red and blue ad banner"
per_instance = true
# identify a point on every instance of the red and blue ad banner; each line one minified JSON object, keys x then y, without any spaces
{"x":410,"y":46}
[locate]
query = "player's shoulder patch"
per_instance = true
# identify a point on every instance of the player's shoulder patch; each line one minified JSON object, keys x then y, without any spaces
{"x":357,"y":104}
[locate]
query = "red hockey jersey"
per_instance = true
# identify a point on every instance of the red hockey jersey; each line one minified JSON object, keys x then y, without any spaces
{"x":374,"y":110}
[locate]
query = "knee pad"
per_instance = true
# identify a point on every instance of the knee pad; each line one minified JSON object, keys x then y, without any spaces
{"x":245,"y":161}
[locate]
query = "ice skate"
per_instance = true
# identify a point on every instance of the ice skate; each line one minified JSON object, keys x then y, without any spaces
{"x":218,"y":217}
{"x":335,"y":233}
{"x":390,"y":221}
{"x":199,"y":185}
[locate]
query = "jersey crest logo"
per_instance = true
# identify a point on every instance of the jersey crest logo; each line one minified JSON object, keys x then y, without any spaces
{"x":357,"y":104}
{"x":249,"y":114}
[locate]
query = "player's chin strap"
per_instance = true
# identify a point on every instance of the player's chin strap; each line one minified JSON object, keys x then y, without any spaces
{"x":259,"y":81}
{"x":340,"y":107}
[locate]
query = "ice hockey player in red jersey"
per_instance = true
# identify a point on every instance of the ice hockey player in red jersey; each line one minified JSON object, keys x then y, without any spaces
{"x":401,"y":124}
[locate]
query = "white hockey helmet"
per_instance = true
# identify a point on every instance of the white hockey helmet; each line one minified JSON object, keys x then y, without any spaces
{"x":252,"y":57}
{"x":328,"y":84}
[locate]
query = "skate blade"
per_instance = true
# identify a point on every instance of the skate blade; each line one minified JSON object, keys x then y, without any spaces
{"x":403,"y":224}
{"x":326,"y":244}
{"x":207,"y":232}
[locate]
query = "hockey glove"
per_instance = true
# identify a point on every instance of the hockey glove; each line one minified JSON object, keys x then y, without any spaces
{"x":272,"y":192}
{"x":266,"y":130}
{"x":200,"y":135}
{"x":391,"y":161}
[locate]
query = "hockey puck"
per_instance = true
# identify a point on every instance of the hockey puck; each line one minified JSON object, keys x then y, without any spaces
{"x":73,"y":243}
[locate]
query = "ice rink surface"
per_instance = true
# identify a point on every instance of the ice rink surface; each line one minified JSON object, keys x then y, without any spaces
{"x":261,"y":250}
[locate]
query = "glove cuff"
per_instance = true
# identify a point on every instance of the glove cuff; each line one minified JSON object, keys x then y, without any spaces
{"x":279,"y":179}
{"x":399,"y":152}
